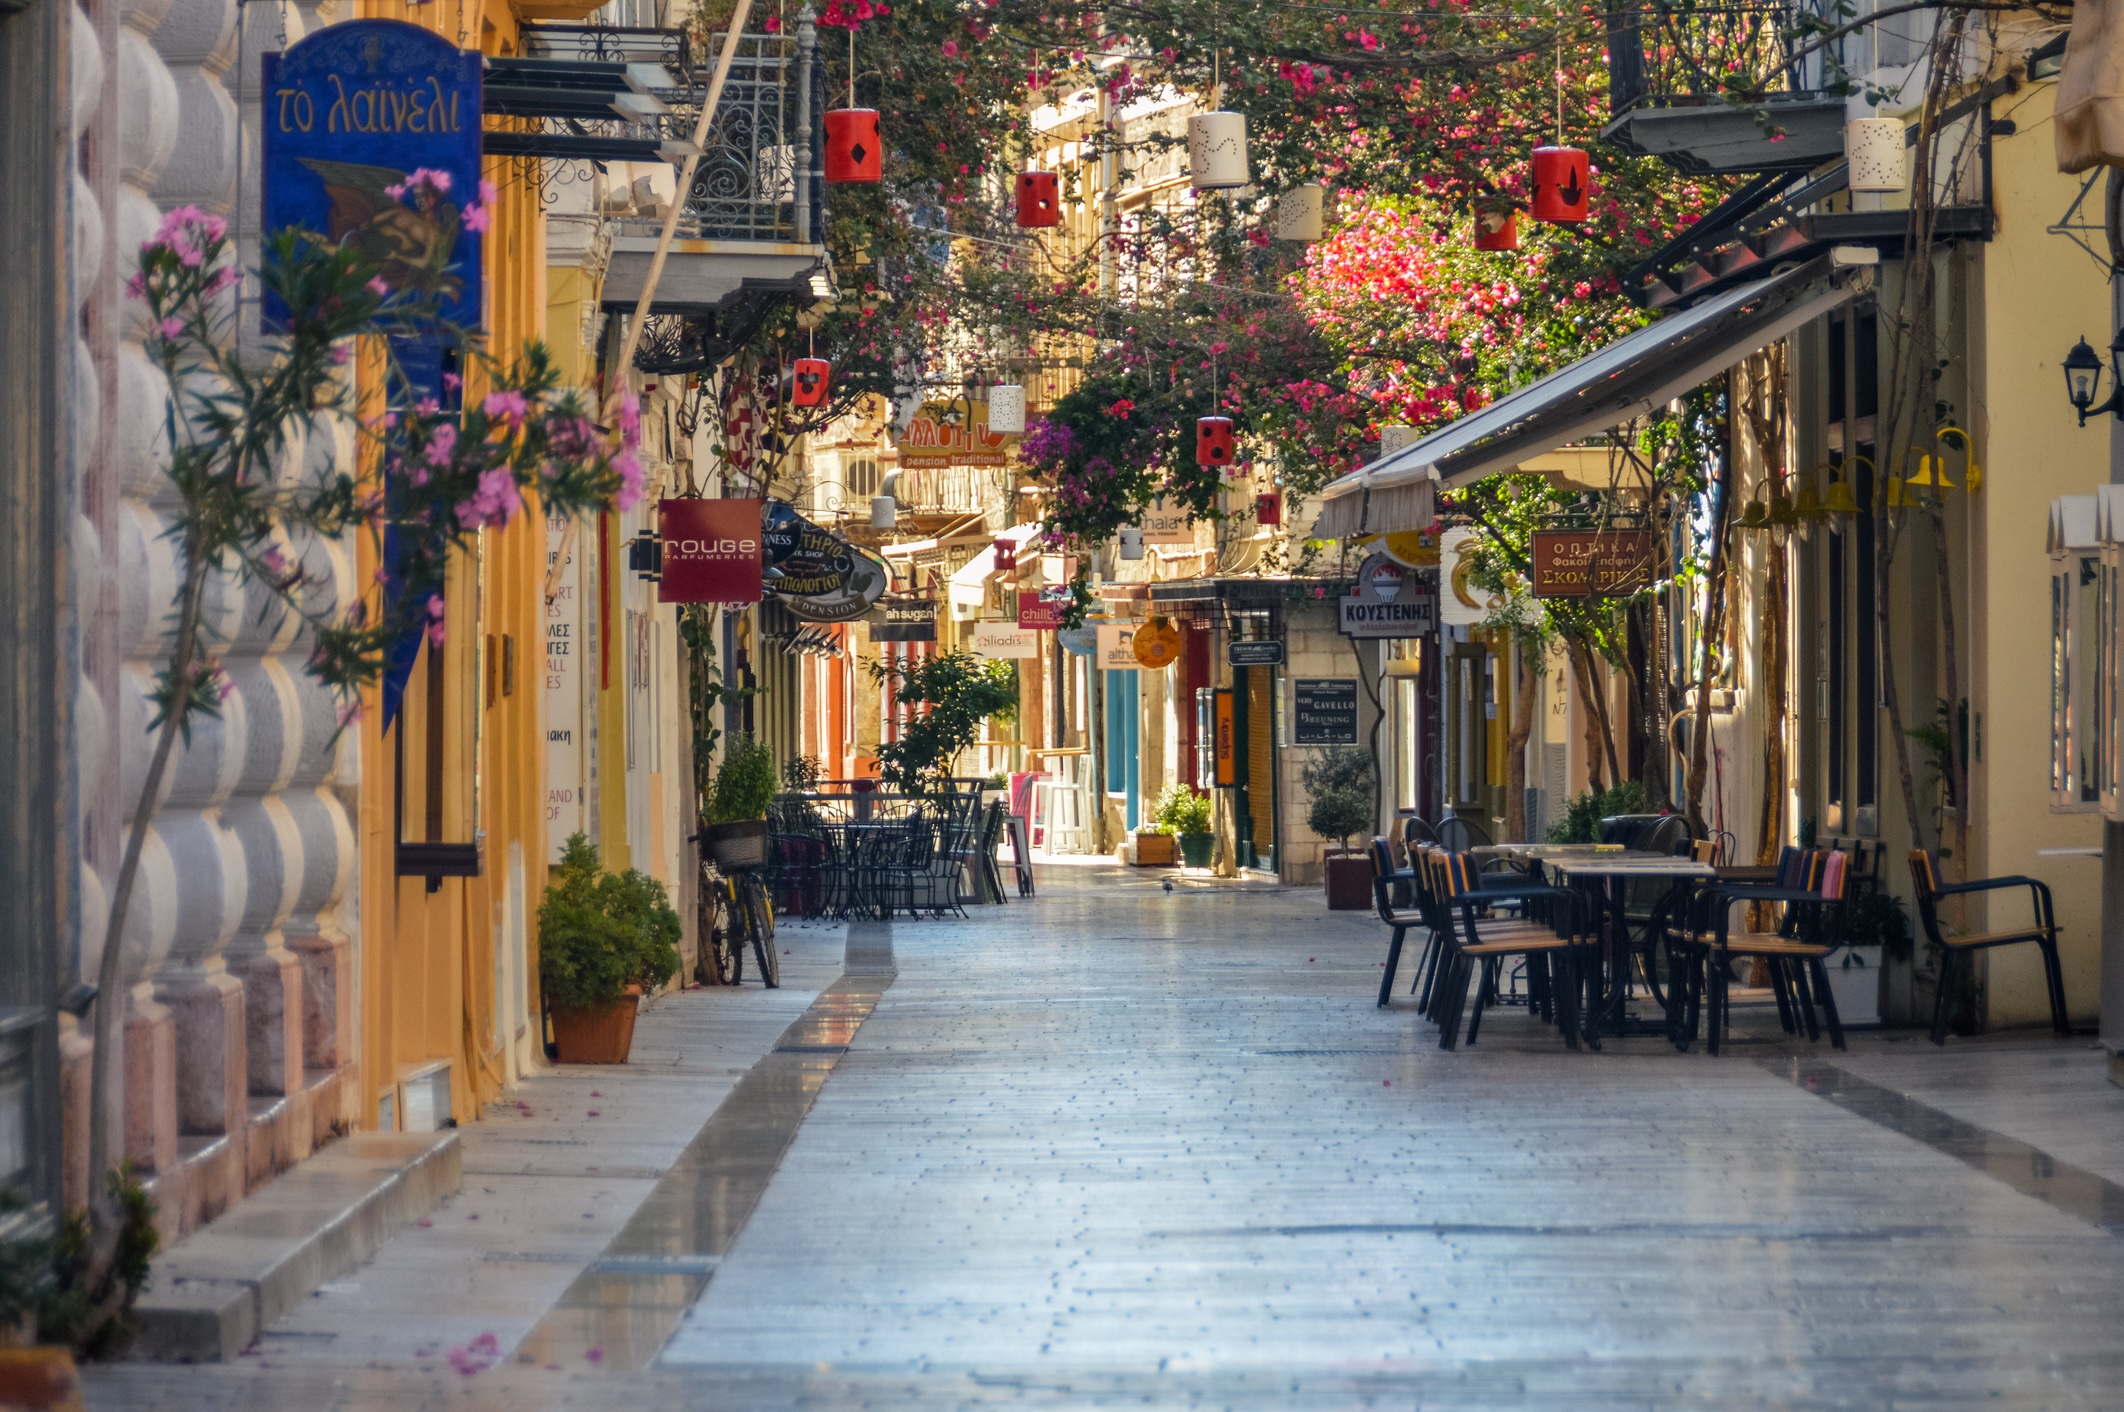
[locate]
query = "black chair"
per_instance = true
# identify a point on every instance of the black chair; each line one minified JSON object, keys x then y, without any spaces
{"x":1384,"y":877}
{"x":1796,"y":953}
{"x":1458,"y":835}
{"x":1955,"y":951}
{"x":1555,"y":951}
{"x":1415,"y":832}
{"x":1670,"y":836}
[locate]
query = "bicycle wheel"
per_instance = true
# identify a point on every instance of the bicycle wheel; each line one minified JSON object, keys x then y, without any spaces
{"x":716,"y":963}
{"x":759,"y":915}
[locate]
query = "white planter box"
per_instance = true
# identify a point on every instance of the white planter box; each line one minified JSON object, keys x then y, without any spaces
{"x":1857,"y":987}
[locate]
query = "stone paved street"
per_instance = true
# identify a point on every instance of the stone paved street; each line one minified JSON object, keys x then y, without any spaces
{"x":1120,"y":1146}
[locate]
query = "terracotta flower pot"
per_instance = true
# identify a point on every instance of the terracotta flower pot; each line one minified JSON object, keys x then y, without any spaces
{"x":598,"y":1036}
{"x":1349,"y":881}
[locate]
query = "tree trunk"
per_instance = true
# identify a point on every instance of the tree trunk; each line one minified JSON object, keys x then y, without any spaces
{"x":1770,"y":824}
{"x":1516,"y":737}
{"x":104,"y":1112}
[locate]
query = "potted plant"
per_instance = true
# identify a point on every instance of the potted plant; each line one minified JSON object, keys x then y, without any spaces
{"x":1153,"y":845}
{"x":735,"y":835}
{"x":1339,"y":783}
{"x":1186,"y":815}
{"x":1873,"y":926}
{"x":603,"y":938}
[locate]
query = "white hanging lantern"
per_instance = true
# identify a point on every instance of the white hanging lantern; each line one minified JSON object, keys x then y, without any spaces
{"x":1006,"y":409}
{"x":884,"y":512}
{"x":1216,"y":150}
{"x":1131,"y":542}
{"x":1301,"y":213}
{"x":1395,"y":436}
{"x":1878,"y":157}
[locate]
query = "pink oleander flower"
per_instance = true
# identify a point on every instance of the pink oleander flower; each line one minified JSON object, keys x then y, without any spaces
{"x":441,"y":444}
{"x":378,"y":288}
{"x":487,"y":192}
{"x":475,"y":217}
{"x":505,"y":407}
{"x":629,"y":467}
{"x":172,"y":328}
{"x":452,"y":381}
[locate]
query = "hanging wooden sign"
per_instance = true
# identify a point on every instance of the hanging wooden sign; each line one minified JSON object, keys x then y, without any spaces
{"x":1607,"y":563}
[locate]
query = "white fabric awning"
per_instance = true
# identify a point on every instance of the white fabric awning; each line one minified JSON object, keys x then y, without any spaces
{"x":968,"y":586}
{"x":1634,"y":376}
{"x":2090,"y":102}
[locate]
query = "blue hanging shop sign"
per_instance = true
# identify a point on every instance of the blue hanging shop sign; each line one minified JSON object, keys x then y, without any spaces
{"x":350,"y":113}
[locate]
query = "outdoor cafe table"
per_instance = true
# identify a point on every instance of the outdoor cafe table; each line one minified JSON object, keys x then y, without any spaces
{"x":1605,"y":876}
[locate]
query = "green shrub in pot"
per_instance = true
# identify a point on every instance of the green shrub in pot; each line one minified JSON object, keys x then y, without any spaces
{"x":600,"y":932}
{"x":745,"y":782}
{"x":1182,"y":811}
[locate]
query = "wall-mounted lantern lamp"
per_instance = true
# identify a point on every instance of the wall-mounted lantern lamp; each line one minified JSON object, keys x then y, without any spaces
{"x":884,"y":508}
{"x":2083,"y":378}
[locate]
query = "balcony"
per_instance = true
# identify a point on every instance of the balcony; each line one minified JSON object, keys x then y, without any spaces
{"x":747,"y":233}
{"x":1723,"y":88}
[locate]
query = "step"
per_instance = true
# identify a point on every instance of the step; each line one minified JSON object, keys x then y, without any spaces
{"x":209,"y":1295}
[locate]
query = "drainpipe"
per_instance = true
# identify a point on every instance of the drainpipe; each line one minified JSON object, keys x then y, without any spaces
{"x":2112,"y":995}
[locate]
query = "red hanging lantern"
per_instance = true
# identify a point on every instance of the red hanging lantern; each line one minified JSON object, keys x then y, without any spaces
{"x":1213,"y":441}
{"x":855,"y":152}
{"x":1268,"y":509}
{"x":808,"y":381}
{"x":1562,"y":184}
{"x":1039,"y":199}
{"x":1496,"y":228}
{"x":1006,"y":555}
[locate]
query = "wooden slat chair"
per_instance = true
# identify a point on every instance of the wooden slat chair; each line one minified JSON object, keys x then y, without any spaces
{"x":1401,"y":919}
{"x":1956,"y":951}
{"x":1796,"y":953}
{"x":1709,"y":908}
{"x":1555,"y":950}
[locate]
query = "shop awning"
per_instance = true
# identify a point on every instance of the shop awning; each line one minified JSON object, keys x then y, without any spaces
{"x":1634,"y":376}
{"x":969,"y":582}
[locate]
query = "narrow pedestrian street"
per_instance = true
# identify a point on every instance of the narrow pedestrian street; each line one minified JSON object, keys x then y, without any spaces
{"x":1119,"y":1145}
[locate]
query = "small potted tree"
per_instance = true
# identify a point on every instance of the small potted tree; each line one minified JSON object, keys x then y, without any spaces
{"x":603,"y":938}
{"x":745,"y":784}
{"x":1186,"y":815}
{"x":1340,"y":786}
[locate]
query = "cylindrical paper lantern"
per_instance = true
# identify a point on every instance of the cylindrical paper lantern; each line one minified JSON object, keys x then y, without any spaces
{"x":1496,"y":228}
{"x":1006,"y":409}
{"x":1879,"y":160}
{"x":1301,"y":214}
{"x":1268,"y":509}
{"x":1213,"y":441}
{"x":1562,"y":178}
{"x":1039,"y":199}
{"x":1216,"y":150}
{"x":1394,"y":436}
{"x":1005,"y":552}
{"x":808,"y":381}
{"x":884,"y":512}
{"x":1131,"y":542}
{"x":855,"y":151}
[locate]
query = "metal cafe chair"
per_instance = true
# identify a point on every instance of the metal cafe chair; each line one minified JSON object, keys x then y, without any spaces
{"x":1796,"y":953}
{"x":1555,"y":952}
{"x":1956,"y":951}
{"x":1458,"y":835}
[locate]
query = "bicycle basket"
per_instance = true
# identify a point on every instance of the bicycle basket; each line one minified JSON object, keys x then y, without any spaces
{"x":737,"y":846}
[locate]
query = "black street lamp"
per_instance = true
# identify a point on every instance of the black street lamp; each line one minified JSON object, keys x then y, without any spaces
{"x":2083,"y":379}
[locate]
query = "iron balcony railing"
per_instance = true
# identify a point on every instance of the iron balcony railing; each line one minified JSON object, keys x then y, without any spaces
{"x":759,"y":176}
{"x":1678,"y":53}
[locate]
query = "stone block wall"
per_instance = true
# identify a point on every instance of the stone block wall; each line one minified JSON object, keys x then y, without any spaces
{"x":239,"y":942}
{"x":1313,"y":648}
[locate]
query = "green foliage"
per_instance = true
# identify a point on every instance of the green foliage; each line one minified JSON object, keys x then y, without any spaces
{"x":705,"y":692}
{"x":802,"y":772}
{"x":961,"y":691}
{"x":1340,"y":783}
{"x":1582,"y":816}
{"x":1181,"y":810}
{"x":600,"y":932}
{"x":745,"y":783}
{"x":44,"y":1280}
{"x":1936,"y":737}
{"x":1877,"y":919}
